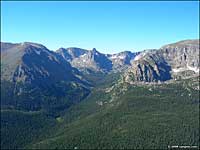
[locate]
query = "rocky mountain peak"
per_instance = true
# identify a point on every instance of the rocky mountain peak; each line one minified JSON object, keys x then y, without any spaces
{"x":94,"y":50}
{"x":32,"y":67}
{"x":179,"y":59}
{"x":182,"y":44}
{"x":31,"y":44}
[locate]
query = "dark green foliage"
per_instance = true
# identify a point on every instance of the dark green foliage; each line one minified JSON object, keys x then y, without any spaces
{"x":144,"y":117}
{"x":6,"y":94}
{"x":19,"y":128}
{"x":53,"y":99}
{"x":101,"y":79}
{"x":140,"y":117}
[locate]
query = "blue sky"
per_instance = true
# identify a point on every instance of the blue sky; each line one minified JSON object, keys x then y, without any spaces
{"x":108,"y":26}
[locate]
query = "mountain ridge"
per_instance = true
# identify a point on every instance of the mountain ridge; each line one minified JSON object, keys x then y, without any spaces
{"x":31,"y":71}
{"x":27,"y":66}
{"x":140,"y":102}
{"x":93,"y":60}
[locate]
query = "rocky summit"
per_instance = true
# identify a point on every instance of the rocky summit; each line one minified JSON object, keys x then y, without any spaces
{"x":31,"y":71}
{"x":177,"y":60}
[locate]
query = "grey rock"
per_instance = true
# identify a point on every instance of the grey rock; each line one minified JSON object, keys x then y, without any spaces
{"x":177,"y":59}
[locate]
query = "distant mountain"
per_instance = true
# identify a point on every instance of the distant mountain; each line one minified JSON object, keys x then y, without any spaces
{"x":86,"y":59}
{"x":122,"y":60}
{"x":33,"y":76}
{"x":177,"y":60}
{"x":96,"y":61}
{"x":93,"y":60}
{"x":29,"y":62}
{"x":71,"y":53}
{"x":182,"y":56}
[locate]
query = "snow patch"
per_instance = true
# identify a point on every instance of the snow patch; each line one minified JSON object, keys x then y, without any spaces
{"x":100,"y":103}
{"x":36,"y":45}
{"x":117,"y":57}
{"x":121,"y":57}
{"x":113,"y":57}
{"x":83,"y":55}
{"x":195,"y":69}
{"x":37,"y":52}
{"x":178,"y":70}
{"x":139,"y":56}
{"x":150,"y":89}
{"x":107,"y":90}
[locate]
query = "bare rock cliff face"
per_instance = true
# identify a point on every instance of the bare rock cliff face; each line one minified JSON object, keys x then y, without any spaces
{"x":96,"y":61}
{"x":182,"y":56}
{"x":180,"y":59}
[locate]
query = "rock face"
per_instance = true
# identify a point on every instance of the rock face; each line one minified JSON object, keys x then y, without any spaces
{"x":180,"y":59}
{"x":182,"y":56}
{"x":33,"y":63}
{"x":31,"y":68}
{"x":148,"y":66}
{"x":86,"y":59}
{"x":96,"y":61}
{"x":71,"y":53}
{"x":93,"y":60}
{"x":122,"y":60}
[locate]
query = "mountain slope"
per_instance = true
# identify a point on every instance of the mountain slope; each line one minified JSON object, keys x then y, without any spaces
{"x":70,"y":53}
{"x":138,"y":117}
{"x":96,"y":61}
{"x":178,"y":59}
{"x":19,"y":128}
{"x":182,"y":56}
{"x":122,"y":60}
{"x":34,"y":77}
{"x":85,"y":59}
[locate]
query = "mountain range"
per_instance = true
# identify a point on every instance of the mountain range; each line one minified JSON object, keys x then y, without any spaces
{"x":30,"y":68}
{"x":71,"y":91}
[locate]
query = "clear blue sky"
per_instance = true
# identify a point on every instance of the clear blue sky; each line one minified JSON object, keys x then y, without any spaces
{"x":108,"y":26}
